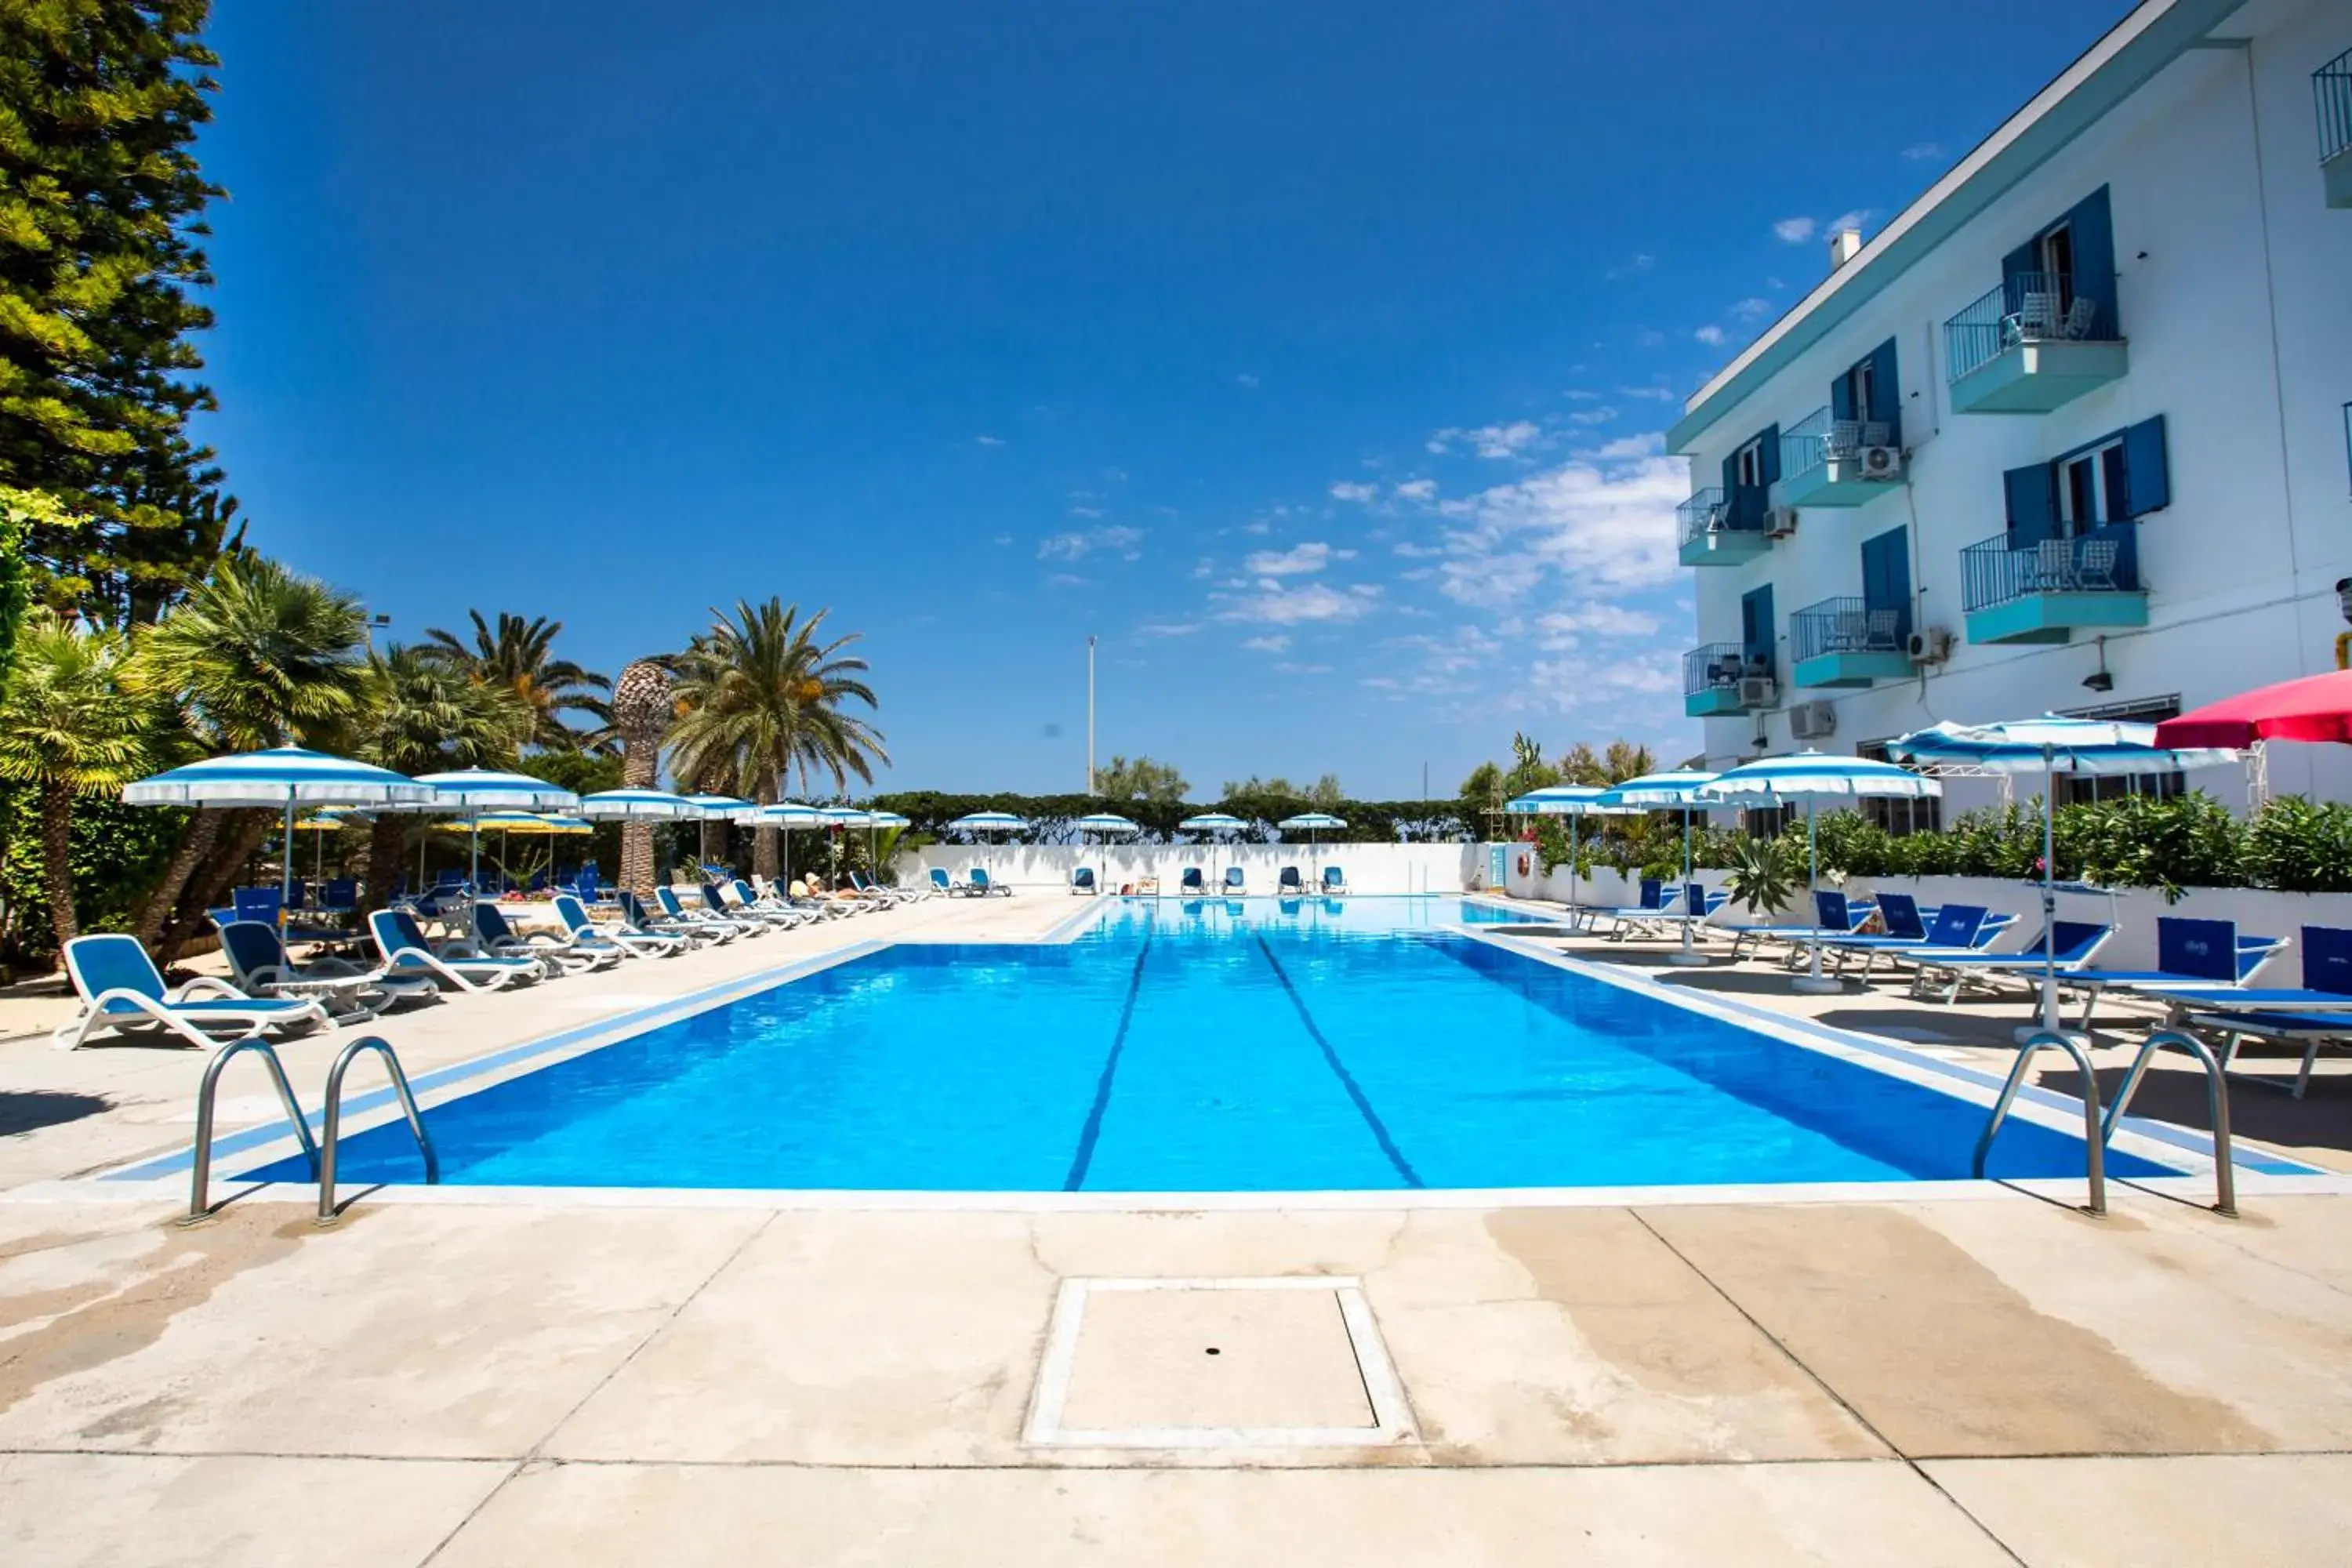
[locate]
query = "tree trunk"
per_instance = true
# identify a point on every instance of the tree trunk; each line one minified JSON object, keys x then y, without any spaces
{"x":57,"y":862}
{"x":386,"y":837}
{"x":213,"y":880}
{"x":196,"y":843}
{"x":713,"y":846}
{"x":763,"y":853}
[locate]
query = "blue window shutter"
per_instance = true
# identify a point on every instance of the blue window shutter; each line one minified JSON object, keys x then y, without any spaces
{"x":2147,"y":480}
{"x":1887,"y":570}
{"x":1842,"y":399}
{"x":2033,"y":495}
{"x":1756,"y":631}
{"x":1770,"y":436}
{"x":2092,"y":227}
{"x":2022,"y":261}
{"x":1886,"y":392}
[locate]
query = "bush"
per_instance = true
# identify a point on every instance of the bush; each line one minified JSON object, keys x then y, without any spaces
{"x":119,"y":852}
{"x":2300,"y":846}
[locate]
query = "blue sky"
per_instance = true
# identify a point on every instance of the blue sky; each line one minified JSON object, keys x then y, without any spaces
{"x":1313,"y":356}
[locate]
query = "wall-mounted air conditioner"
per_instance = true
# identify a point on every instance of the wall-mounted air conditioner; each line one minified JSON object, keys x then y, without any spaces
{"x":1933,"y":646}
{"x":1812,"y":720}
{"x":1759,"y":691}
{"x":1779,"y":523}
{"x":1880,"y":462}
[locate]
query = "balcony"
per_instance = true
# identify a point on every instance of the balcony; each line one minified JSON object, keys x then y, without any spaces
{"x":1710,"y":533}
{"x":1836,"y":462}
{"x":2017,"y":350}
{"x":1849,"y":642}
{"x":2044,"y":592}
{"x":1725,"y":677}
{"x":2331,"y":87}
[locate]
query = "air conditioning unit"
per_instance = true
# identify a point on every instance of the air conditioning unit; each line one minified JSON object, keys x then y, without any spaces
{"x":1779,"y":523}
{"x":1759,"y":691}
{"x":1933,"y":646}
{"x":1812,"y":720}
{"x":1880,"y":462}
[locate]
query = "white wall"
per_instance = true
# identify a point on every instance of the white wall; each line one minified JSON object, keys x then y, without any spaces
{"x":2232,"y":295}
{"x":1370,"y":868}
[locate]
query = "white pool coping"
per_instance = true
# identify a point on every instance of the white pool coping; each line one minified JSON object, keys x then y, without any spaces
{"x":155,"y":1178}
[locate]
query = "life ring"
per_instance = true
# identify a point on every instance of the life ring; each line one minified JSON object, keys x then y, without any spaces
{"x":1523,"y":864}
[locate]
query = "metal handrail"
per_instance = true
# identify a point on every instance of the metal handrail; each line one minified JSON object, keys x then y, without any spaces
{"x":332,"y":1134}
{"x":1703,"y":514}
{"x":2217,"y":1105}
{"x":201,"y":1170}
{"x":2331,"y":90}
{"x":2095,"y":1160}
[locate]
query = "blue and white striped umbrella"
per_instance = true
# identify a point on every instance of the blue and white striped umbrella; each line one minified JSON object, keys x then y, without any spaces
{"x":1211,"y":822}
{"x":1571,"y":801}
{"x":2050,"y":745}
{"x":787,"y":814}
{"x":729,"y":808}
{"x":634,"y":806}
{"x":283,"y":776}
{"x":1676,"y":790}
{"x":989,"y":822}
{"x":1814,"y":776}
{"x":1310,"y":822}
{"x":1105,"y":822}
{"x":473,"y":789}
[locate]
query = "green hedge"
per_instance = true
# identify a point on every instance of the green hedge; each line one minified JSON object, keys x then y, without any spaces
{"x":1050,"y":816}
{"x":119,"y":852}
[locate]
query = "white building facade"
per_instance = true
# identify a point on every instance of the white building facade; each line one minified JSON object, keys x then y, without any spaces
{"x":2072,"y":433}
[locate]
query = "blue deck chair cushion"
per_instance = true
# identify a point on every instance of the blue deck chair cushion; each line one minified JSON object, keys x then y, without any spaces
{"x":1830,"y":911}
{"x":114,"y":962}
{"x":1290,"y":881}
{"x":1332,"y":876}
{"x":2328,"y":959}
{"x":1900,"y":911}
{"x":2204,"y":950}
{"x":1233,"y":875}
{"x":941,"y":880}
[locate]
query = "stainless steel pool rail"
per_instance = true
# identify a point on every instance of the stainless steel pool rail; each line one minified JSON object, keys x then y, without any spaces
{"x":2094,"y":1163}
{"x":332,"y":1135}
{"x":2217,"y":1105}
{"x":207,"y":1093}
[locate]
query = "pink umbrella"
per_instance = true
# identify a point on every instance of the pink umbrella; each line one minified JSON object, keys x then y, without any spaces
{"x":2313,"y":708}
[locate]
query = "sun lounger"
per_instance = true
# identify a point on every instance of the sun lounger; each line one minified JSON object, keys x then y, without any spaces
{"x":676,"y":914}
{"x":257,"y":960}
{"x":1692,"y":908}
{"x":1234,"y":882}
{"x":401,"y":942}
{"x":1835,"y":915}
{"x":123,"y":992}
{"x":1082,"y":881}
{"x":587,"y":933}
{"x":2192,"y":956}
{"x":1193,"y":883}
{"x":2071,"y":947}
{"x":1957,"y":927}
{"x":1288,"y":883}
{"x":1335,"y":880}
{"x":2318,"y":1013}
{"x":496,"y":935}
{"x":635,"y":917}
{"x":1655,"y":896}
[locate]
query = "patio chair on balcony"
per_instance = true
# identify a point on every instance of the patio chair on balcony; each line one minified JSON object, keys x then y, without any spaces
{"x":1881,"y":637}
{"x":2053,"y":566}
{"x":1877,"y":434}
{"x":1845,"y":439}
{"x":2036,"y":318}
{"x":2095,"y":568}
{"x":2079,"y":317}
{"x":1848,"y":631}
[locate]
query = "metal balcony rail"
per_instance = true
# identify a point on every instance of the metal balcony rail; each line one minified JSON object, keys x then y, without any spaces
{"x":1703,"y":514}
{"x":2027,"y":307}
{"x":2000,"y":571}
{"x":1848,"y":625}
{"x":2331,"y":90}
{"x":1720,"y":666}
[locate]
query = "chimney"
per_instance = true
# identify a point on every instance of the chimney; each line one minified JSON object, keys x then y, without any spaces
{"x":1844,"y":246}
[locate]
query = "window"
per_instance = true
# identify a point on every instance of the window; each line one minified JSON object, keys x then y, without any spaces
{"x":2076,"y":789}
{"x":2120,"y":478}
{"x":1767,"y":821}
{"x":1857,"y":389}
{"x":2073,"y":258}
{"x":2092,"y":487}
{"x":1896,"y":816}
{"x":2057,"y":250}
{"x":1750,"y":465}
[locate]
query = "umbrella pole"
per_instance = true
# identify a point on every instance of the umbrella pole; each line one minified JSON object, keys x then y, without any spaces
{"x":2049,"y":891}
{"x":1816,"y":983}
{"x":1687,"y":956}
{"x":1573,"y":825}
{"x":285,"y":870}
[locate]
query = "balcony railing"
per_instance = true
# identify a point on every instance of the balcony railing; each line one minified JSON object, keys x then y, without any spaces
{"x":2331,"y":87}
{"x":1703,"y":514}
{"x":2025,"y":308}
{"x":1721,"y":666}
{"x":2106,"y":559}
{"x":1847,"y":625}
{"x":1817,"y":439}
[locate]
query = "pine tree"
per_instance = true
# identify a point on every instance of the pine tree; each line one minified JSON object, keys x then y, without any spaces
{"x":101,"y":207}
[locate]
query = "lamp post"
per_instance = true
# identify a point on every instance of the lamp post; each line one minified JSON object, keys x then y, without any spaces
{"x":1090,"y":715}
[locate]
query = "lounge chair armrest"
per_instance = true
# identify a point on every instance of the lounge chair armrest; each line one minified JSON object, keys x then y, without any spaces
{"x":207,"y":985}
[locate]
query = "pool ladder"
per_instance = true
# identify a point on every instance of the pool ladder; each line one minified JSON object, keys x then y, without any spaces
{"x":2097,"y":1129}
{"x":321,"y":1153}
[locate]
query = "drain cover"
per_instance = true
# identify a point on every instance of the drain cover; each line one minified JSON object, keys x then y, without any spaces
{"x":1206,"y":1363}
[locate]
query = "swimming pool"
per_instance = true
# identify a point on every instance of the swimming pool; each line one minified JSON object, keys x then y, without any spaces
{"x":1245,"y":1046}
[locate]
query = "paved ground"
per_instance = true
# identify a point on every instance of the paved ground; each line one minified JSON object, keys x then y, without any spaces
{"x":1989,"y":1381}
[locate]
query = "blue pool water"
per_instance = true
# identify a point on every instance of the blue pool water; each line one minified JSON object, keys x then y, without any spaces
{"x":1252,"y":1045}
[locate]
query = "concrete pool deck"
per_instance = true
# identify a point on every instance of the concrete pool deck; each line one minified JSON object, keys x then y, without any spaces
{"x":460,"y":1383}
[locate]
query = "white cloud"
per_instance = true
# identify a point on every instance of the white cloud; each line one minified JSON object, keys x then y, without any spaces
{"x":1646,"y":444}
{"x":1605,"y":521}
{"x":1167,"y":628}
{"x":1600,"y":415}
{"x":1710,"y":335}
{"x":988,"y":440}
{"x":1580,"y":395}
{"x":1417,"y":490}
{"x":1284,"y":604}
{"x":1657,"y":393}
{"x":1752,"y":310}
{"x":1413,"y":551}
{"x":1299,"y":560}
{"x":1286,"y":668}
{"x":1920,"y":150}
{"x":1859,"y":218}
{"x":1346,"y":491}
{"x":1794,"y":230}
{"x":1065,"y":580}
{"x":1490,"y":440}
{"x":1086,"y":512}
{"x":1075,"y":546}
{"x":1562,"y":629}
{"x":1278,"y":643}
{"x":1247,"y":378}
{"x":1002,"y":540}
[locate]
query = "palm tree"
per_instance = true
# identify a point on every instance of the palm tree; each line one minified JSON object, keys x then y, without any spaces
{"x":520,"y":654}
{"x":642,"y":710}
{"x":419,"y":713}
{"x":257,"y":656}
{"x":71,"y":725}
{"x":760,"y":695}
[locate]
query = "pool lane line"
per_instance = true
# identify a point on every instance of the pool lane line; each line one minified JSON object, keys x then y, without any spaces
{"x":1091,"y":1133}
{"x":1340,"y":1069}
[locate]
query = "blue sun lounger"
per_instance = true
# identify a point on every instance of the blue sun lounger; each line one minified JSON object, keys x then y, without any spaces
{"x":2192,"y":956}
{"x":1656,"y":899}
{"x":122,"y":989}
{"x":1957,"y":927}
{"x":257,"y":959}
{"x":1192,"y":883}
{"x":2316,"y":1014}
{"x":1335,"y":880}
{"x":1288,"y":883}
{"x":400,"y":942}
{"x":2071,"y":947}
{"x":1835,"y":914}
